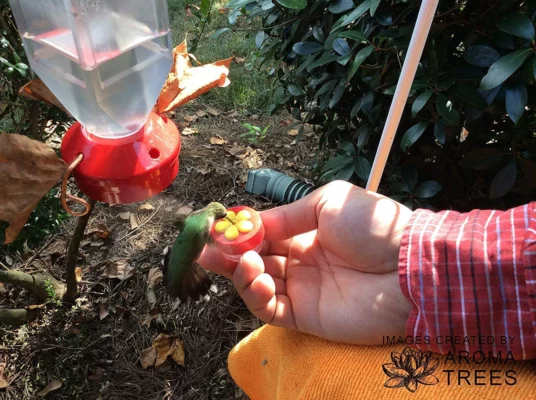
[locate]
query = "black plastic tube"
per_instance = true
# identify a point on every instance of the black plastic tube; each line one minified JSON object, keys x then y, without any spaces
{"x":277,"y":187}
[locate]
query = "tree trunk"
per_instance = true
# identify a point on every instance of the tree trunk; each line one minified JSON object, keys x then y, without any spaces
{"x":35,"y":283}
{"x":72,"y":255}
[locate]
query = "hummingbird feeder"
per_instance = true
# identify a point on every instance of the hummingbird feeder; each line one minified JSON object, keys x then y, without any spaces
{"x":106,"y":62}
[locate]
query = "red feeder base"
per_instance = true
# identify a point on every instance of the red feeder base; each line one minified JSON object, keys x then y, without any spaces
{"x":126,"y":170}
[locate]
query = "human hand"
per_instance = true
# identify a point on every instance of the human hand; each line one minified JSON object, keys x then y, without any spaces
{"x":329,"y":266}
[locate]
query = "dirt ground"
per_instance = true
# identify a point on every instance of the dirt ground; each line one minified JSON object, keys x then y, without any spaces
{"x":94,"y":347}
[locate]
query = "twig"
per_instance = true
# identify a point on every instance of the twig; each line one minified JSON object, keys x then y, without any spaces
{"x":30,"y":260}
{"x":141,"y":225}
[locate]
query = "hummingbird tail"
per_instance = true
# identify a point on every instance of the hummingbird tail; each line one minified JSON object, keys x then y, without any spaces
{"x":194,"y":283}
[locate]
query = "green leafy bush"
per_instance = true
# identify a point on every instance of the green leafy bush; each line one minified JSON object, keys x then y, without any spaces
{"x":466,"y":138}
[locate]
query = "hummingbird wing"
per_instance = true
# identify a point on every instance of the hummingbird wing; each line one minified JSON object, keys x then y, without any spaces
{"x":183,"y":278}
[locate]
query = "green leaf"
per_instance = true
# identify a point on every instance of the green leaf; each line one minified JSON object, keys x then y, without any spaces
{"x":518,"y":25}
{"x":358,"y":60}
{"x":469,"y":95}
{"x":238,"y":3}
{"x":410,"y":175}
{"x":326,"y":58}
{"x":516,"y":101}
{"x":307,"y":48}
{"x":205,"y":7}
{"x":420,"y":102}
{"x":326,"y":88}
{"x":362,"y":167}
{"x":399,"y":187}
{"x":219,"y":32}
{"x":337,"y":93}
{"x":338,"y":162}
{"x":346,"y":173}
{"x":295,"y":90}
{"x":259,"y":39}
{"x":427,"y":189}
{"x":358,"y":12}
{"x":341,"y":46}
{"x":446,"y":109}
{"x":343,"y":60}
{"x":481,"y":56}
{"x":318,"y":33}
{"x":504,"y":181}
{"x":439,"y":132}
{"x":347,"y":147}
{"x":433,"y":67}
{"x":374,"y":6}
{"x":340,"y":6}
{"x":481,"y":159}
{"x":363,"y":136}
{"x":412,"y":135}
{"x":293,"y":4}
{"x":502,"y":69}
{"x":358,"y":36}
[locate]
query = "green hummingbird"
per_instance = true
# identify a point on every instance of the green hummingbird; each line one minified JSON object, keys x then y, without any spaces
{"x":183,"y":278}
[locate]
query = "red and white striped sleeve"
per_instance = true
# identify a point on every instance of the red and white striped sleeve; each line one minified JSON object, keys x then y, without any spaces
{"x":471,"y":279}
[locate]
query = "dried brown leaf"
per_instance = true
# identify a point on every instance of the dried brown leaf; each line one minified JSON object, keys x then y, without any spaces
{"x":134,"y":222}
{"x":78,"y":272}
{"x":201,"y":113}
{"x":213,"y":112}
{"x":184,"y":211}
{"x":165,"y":346}
{"x":254,"y":117}
{"x":54,"y":385}
{"x":146,"y":207}
{"x":118,"y":270}
{"x":239,"y":60}
{"x":100,"y":231}
{"x":3,"y":381}
{"x":185,"y":83}
{"x":99,"y":373}
{"x":189,"y":131}
{"x":217,"y":140}
{"x":293,"y":132}
{"x":155,"y":276}
{"x":190,"y":118}
{"x":28,"y":170}
{"x":148,"y":357}
{"x":37,"y":90}
{"x":103,"y":311}
{"x":125,"y":216}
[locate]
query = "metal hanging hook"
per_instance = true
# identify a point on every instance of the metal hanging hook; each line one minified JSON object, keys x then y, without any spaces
{"x":65,"y":197}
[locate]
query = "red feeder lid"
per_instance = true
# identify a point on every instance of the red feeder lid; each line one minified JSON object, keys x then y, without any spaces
{"x":234,"y":249}
{"x":125,"y":170}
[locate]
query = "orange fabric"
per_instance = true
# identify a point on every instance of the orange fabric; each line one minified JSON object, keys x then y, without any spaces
{"x":274,"y":363}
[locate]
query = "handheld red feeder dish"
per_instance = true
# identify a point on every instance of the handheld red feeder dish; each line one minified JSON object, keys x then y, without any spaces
{"x":229,"y":237}
{"x":107,"y":62}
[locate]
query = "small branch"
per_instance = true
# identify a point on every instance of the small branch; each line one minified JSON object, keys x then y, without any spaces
{"x":35,"y":283}
{"x":17,"y":316}
{"x":72,"y":254}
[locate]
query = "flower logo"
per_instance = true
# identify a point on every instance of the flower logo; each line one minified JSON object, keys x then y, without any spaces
{"x":410,"y":368}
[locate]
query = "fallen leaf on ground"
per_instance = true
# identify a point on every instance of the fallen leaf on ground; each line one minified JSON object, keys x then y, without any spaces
{"x":201,"y":113}
{"x":134,"y":222}
{"x":155,"y":276}
{"x":185,"y":82}
{"x":9,"y":260}
{"x":190,"y":118}
{"x":217,"y":140}
{"x":233,"y":113}
{"x":146,"y":207}
{"x":78,"y":272}
{"x":293,"y":132}
{"x":100,"y":231}
{"x":37,"y":90}
{"x":125,"y":216}
{"x":147,"y":319}
{"x":239,"y":60}
{"x":285,"y":122}
{"x":28,"y":170}
{"x":184,"y":211}
{"x":213,"y":112}
{"x":99,"y":373}
{"x":103,"y":312}
{"x":254,"y":117}
{"x":165,"y":346}
{"x":118,"y":270}
{"x":3,"y":381}
{"x":54,"y":385}
{"x":189,"y":131}
{"x":148,"y":357}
